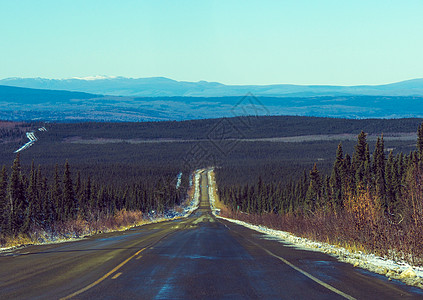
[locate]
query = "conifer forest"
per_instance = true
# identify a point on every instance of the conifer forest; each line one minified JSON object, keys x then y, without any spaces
{"x":371,"y":200}
{"x":78,"y":178}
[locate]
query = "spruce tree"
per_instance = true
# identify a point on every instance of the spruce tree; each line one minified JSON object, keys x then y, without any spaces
{"x":16,"y":199}
{"x":86,"y":198}
{"x":3,"y":193}
{"x":337,"y":177}
{"x":420,"y":142}
{"x":31,"y":199}
{"x":379,"y":172}
{"x":68,"y":194}
{"x":41,"y":213}
{"x":389,"y":178}
{"x":368,"y":173}
{"x":313,"y":192}
{"x":57,"y":196}
{"x":361,"y":153}
{"x":79,"y":192}
{"x":46,"y":202}
{"x":348,"y":182}
{"x":361,"y":162}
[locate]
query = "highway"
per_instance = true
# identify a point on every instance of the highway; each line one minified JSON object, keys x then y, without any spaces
{"x":199,"y":257}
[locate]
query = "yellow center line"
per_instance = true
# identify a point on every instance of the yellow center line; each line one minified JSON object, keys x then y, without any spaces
{"x":138,"y":257}
{"x":102,"y":278}
{"x":117,"y":275}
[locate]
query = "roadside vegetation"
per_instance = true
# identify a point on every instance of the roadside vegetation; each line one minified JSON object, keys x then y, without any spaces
{"x":35,"y":208}
{"x":370,"y":201}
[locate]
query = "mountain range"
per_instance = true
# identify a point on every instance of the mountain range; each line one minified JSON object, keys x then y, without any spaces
{"x":156,"y":99}
{"x":165,"y":87}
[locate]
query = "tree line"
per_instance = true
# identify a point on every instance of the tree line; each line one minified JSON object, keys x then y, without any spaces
{"x":31,"y":201}
{"x":373,"y":198}
{"x":385,"y":177}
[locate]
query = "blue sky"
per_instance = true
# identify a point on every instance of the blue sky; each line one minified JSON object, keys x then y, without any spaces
{"x":233,"y":42}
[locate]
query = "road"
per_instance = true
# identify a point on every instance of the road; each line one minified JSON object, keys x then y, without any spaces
{"x":199,"y":257}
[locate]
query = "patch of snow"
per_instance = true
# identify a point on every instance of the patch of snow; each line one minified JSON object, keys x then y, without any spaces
{"x":195,"y":202}
{"x":179,"y":180}
{"x":32,"y":139}
{"x":190,"y":180}
{"x":97,"y":77}
{"x":211,"y":185}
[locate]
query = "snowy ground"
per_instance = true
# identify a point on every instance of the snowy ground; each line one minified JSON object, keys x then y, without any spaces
{"x":212,"y":188}
{"x":195,"y":202}
{"x":32,"y":139}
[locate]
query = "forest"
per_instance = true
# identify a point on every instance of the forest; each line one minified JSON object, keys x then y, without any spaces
{"x":370,"y":200}
{"x":116,"y":170}
{"x":32,"y":205}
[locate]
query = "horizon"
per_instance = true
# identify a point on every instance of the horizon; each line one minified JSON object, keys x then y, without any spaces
{"x":106,"y":77}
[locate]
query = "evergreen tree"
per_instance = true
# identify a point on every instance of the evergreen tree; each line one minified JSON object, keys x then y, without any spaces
{"x":3,"y":193}
{"x":368,"y":173}
{"x":57,"y":196}
{"x":348,"y":182}
{"x":361,"y":163}
{"x":79,"y":192}
{"x":361,"y":153}
{"x":393,"y":184}
{"x":420,"y":141}
{"x":259,"y":196}
{"x":47,"y":206}
{"x":40,"y":213}
{"x":337,"y":177}
{"x":16,"y":199}
{"x":313,"y":192}
{"x":379,"y":172}
{"x":86,"y":199}
{"x":68,"y":194}
{"x":31,"y":199}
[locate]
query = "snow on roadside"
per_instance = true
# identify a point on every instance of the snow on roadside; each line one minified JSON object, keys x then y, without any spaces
{"x":410,"y":275}
{"x":195,"y":202}
{"x":211,"y":185}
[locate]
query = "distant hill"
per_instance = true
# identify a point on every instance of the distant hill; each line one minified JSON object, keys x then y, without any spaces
{"x":162,"y":87}
{"x":54,"y":105}
{"x":37,"y":96}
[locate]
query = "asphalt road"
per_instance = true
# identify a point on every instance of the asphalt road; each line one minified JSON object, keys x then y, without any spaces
{"x":199,"y":257}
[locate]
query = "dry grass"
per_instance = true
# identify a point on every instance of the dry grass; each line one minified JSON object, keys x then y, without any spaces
{"x":80,"y":227}
{"x":349,"y":230}
{"x":217,"y":203}
{"x":16,"y":241}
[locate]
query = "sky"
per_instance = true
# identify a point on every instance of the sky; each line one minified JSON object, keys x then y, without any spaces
{"x":336,"y":42}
